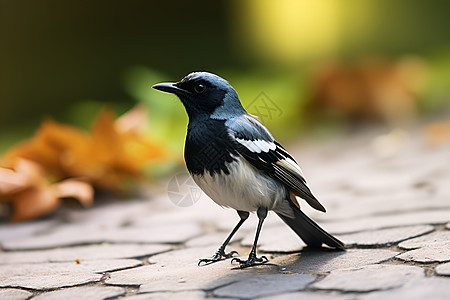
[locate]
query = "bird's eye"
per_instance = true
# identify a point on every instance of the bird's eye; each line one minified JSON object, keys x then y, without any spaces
{"x":199,"y":88}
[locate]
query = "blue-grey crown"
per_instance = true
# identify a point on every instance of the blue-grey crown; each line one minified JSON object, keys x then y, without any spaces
{"x":213,"y":78}
{"x":231,"y":106}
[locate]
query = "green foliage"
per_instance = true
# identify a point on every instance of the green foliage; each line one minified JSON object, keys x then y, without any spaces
{"x":167,"y":120}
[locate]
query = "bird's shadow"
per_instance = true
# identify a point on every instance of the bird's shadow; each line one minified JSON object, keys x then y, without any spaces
{"x":306,"y":261}
{"x":309,"y":260}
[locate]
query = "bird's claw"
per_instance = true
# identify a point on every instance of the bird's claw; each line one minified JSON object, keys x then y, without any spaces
{"x":251,"y":261}
{"x":230,"y":254}
{"x":218,"y":256}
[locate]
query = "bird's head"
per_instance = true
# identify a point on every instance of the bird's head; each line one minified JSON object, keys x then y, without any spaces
{"x":205,"y":95}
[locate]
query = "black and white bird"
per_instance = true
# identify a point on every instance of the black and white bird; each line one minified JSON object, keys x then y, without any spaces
{"x":237,"y":162}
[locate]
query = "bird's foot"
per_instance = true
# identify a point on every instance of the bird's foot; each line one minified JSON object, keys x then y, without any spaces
{"x":251,"y":261}
{"x":218,"y":256}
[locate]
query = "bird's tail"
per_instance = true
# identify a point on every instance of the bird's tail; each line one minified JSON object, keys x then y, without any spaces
{"x":309,"y":231}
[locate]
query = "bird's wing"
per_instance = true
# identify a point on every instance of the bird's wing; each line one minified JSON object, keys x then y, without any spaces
{"x":257,"y":145}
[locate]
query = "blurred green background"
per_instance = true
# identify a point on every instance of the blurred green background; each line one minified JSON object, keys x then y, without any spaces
{"x":318,"y":63}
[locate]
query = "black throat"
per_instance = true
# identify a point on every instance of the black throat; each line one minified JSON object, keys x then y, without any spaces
{"x":208,"y":147}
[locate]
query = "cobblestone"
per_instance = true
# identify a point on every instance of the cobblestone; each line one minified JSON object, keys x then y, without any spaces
{"x":423,"y":288}
{"x":386,"y":204}
{"x":437,"y":217}
{"x":191,"y":295}
{"x":70,"y":236}
{"x":23,"y":230}
{"x":436,"y":252}
{"x":384,"y":237}
{"x":369,"y":278}
{"x":14,"y":294}
{"x":268,"y":285}
{"x":316,"y":262}
{"x":426,"y":240}
{"x":82,"y":253}
{"x":443,"y":269}
{"x":184,"y":274}
{"x":57,"y":275}
{"x":86,"y":292}
{"x":311,"y":296}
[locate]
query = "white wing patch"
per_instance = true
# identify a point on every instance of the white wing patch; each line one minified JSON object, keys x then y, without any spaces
{"x":257,"y":146}
{"x":290,"y":165}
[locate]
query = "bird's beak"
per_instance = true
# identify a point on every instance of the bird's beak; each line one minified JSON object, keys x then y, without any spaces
{"x":170,"y":87}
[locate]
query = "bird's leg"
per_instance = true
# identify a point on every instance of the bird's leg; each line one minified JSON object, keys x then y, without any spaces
{"x":220,"y":253}
{"x":252,"y":258}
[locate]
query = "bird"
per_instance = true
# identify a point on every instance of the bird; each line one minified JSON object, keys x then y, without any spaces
{"x":237,"y":162}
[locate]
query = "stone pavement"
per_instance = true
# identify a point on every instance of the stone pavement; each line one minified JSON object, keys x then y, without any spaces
{"x":388,"y":198}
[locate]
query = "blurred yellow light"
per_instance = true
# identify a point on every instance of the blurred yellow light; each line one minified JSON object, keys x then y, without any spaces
{"x":290,"y":30}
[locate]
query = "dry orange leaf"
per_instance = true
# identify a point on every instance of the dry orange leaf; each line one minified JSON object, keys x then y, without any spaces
{"x":32,"y":196}
{"x":10,"y":181}
{"x":107,"y":157}
{"x":113,"y":152}
{"x":370,"y":89}
{"x":116,"y":152}
{"x":52,"y":145}
{"x":437,"y":134}
{"x":34,"y":202}
{"x":133,"y":121}
{"x":73,"y":188}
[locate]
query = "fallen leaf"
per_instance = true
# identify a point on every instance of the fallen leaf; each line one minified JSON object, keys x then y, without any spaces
{"x":437,"y":134}
{"x":61,"y":161}
{"x":53,"y":147}
{"x":113,"y":153}
{"x":32,"y":196}
{"x":10,"y":181}
{"x":34,"y":202}
{"x":370,"y":89}
{"x":133,"y":121}
{"x":72,"y":188}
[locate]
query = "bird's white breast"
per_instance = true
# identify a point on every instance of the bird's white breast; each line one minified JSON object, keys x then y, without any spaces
{"x":244,"y":188}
